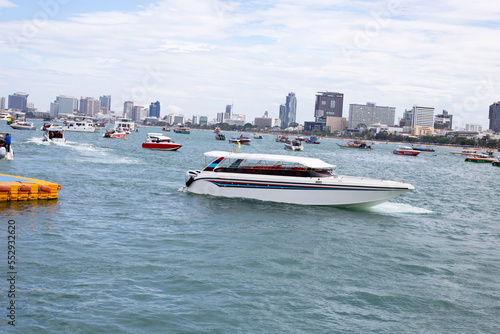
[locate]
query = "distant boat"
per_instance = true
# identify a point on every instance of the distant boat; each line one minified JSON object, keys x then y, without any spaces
{"x":312,"y":140}
{"x":424,"y":148}
{"x":183,"y":129}
{"x":219,"y":135}
{"x":406,"y":150}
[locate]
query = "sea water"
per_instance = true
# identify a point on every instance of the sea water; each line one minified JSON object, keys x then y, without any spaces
{"x":126,"y":250}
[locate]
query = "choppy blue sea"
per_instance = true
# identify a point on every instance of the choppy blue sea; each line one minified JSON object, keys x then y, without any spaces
{"x":125,"y":250}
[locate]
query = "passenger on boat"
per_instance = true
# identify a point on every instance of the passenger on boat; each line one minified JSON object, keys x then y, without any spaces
{"x":7,"y":142}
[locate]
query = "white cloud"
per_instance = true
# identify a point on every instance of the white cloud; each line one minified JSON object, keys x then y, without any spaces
{"x":202,"y":55}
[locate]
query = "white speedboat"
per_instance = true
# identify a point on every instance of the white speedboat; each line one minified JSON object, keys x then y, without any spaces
{"x":288,"y":179}
{"x":22,"y":125}
{"x":294,"y":145}
{"x":81,"y":126}
{"x":54,"y":135}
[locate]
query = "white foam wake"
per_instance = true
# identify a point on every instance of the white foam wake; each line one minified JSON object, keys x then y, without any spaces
{"x":390,"y":207}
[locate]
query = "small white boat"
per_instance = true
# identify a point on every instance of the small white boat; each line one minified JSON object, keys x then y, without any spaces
{"x":294,"y":145}
{"x":288,"y":179}
{"x":22,"y":125}
{"x":54,"y":135}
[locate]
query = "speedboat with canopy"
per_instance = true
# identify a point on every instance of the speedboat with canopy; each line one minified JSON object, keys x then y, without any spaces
{"x":287,"y":179}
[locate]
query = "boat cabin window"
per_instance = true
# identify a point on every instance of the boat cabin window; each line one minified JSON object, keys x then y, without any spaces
{"x":271,"y":168}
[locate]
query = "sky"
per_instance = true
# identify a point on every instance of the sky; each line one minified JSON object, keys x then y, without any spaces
{"x":197,"y":56}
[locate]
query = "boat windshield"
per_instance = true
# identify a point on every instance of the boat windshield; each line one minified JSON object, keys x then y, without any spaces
{"x":267,"y":167}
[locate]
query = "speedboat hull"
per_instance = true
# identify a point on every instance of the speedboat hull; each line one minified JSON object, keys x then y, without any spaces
{"x":406,"y":152}
{"x":162,"y":146}
{"x":342,"y":191}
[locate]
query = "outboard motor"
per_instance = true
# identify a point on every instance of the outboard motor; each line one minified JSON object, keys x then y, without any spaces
{"x":190,"y":176}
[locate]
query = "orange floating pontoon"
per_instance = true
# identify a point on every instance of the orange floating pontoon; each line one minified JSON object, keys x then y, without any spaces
{"x":18,"y":188}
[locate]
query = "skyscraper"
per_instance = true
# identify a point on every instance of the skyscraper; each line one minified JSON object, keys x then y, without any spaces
{"x":229,"y":111}
{"x":154,"y":109}
{"x":89,"y":106}
{"x":423,"y":116}
{"x":18,"y":101}
{"x":67,"y":104}
{"x":328,"y":104}
{"x":2,"y":103}
{"x":443,"y":121}
{"x":282,"y":116}
{"x":291,"y":108}
{"x":370,"y":114}
{"x":105,"y":103}
{"x":494,"y":116}
{"x":127,"y":109}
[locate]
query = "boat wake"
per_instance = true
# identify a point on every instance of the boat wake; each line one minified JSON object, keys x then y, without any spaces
{"x":390,"y":207}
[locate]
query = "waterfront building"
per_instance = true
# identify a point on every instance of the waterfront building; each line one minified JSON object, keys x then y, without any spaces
{"x":105,"y":101}
{"x":2,"y":103}
{"x":443,"y":121}
{"x":67,"y":104}
{"x":203,"y":120}
{"x":128,"y":106}
{"x":54,"y":109}
{"x":154,"y":109}
{"x":288,"y":111}
{"x":336,"y":123}
{"x":370,"y":114}
{"x":266,"y":121}
{"x":137,"y":113}
{"x":179,"y":119}
{"x":89,"y":106}
{"x":473,"y":127}
{"x":18,"y":101}
{"x":328,"y":104}
{"x":494,"y":117}
{"x":229,"y":112}
{"x":316,"y":126}
{"x":422,"y":116}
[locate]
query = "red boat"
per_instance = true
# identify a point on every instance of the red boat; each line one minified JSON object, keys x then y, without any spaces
{"x":115,"y":134}
{"x":406,"y":150}
{"x":157,"y":141}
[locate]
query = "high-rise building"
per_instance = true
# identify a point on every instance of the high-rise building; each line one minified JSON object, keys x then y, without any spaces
{"x":128,"y":106}
{"x":54,"y":109}
{"x":473,"y":127}
{"x":154,"y":109}
{"x":2,"y":103}
{"x":229,"y":111}
{"x":137,"y":113}
{"x":328,"y":104}
{"x":105,"y":103}
{"x":494,"y":116}
{"x":67,"y":104}
{"x":203,"y":120}
{"x":18,"y":101}
{"x":89,"y":106}
{"x":423,"y":116}
{"x":290,"y":112}
{"x":196,"y":119}
{"x":443,"y":121}
{"x":370,"y":114}
{"x":282,"y":115}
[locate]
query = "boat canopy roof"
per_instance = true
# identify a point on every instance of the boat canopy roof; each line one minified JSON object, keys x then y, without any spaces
{"x":307,"y":162}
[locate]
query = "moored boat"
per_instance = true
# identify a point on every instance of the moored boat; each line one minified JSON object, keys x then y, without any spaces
{"x":157,"y":141}
{"x":256,"y":136}
{"x":288,"y":179}
{"x":125,"y":124}
{"x":496,"y":162}
{"x":85,"y":125}
{"x":114,"y":134}
{"x":480,"y":158}
{"x":22,"y":125}
{"x":405,"y":150}
{"x":468,"y":152}
{"x":219,"y":135}
{"x":281,"y":138}
{"x":312,"y":140}
{"x":182,"y":129}
{"x":242,"y":139}
{"x":424,"y":148}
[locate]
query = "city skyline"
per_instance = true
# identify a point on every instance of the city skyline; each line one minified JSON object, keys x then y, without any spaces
{"x":196,"y":56}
